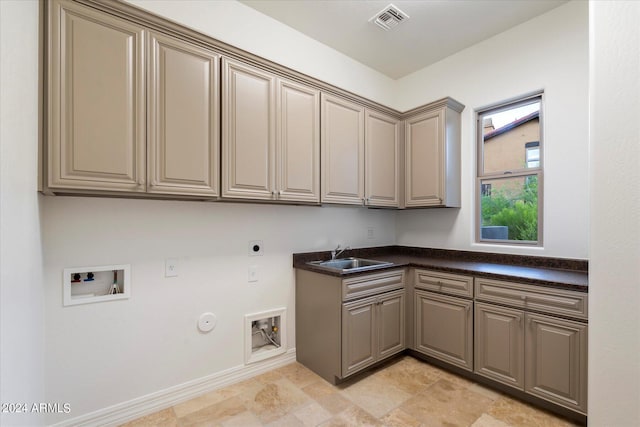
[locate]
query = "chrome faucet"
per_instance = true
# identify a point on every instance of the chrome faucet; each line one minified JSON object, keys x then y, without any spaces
{"x":337,"y":251}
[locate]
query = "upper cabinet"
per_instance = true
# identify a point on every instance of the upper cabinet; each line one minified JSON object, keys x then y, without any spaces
{"x":136,"y":111}
{"x":382,"y":159}
{"x":125,"y":116}
{"x":96,"y":101}
{"x":360,"y":154}
{"x":342,"y":151}
{"x":248,"y":132}
{"x":298,"y":142}
{"x":432,"y":156}
{"x":270,"y":136}
{"x":183,"y":118}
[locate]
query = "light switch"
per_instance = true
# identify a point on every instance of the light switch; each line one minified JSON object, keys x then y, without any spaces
{"x":253,"y":273}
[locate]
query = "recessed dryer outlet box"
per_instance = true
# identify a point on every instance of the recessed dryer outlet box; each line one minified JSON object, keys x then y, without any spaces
{"x":255,"y":248}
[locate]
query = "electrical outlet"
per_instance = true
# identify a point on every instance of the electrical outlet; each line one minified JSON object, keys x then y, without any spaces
{"x":171,"y":267}
{"x":255,"y":248}
{"x":371,"y":233}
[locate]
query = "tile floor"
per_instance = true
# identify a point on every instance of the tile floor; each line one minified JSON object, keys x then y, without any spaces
{"x":405,"y":392}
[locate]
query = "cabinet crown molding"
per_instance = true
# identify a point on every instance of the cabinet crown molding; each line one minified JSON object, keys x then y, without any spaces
{"x":447,"y":102}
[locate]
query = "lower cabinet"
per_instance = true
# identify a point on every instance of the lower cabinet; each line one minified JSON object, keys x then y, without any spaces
{"x":499,"y":349}
{"x":344,"y":325}
{"x":556,"y":360}
{"x":543,"y":355}
{"x":391,"y":324}
{"x":528,"y":337}
{"x":443,"y":316}
{"x":444,"y":328}
{"x":372,"y":329}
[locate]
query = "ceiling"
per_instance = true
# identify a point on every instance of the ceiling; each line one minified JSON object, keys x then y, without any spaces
{"x":435,"y":28}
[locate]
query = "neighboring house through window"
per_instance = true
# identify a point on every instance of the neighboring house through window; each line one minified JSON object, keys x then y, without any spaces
{"x":509,"y":185}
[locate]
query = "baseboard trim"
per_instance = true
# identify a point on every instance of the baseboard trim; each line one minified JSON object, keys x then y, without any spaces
{"x":141,"y":406}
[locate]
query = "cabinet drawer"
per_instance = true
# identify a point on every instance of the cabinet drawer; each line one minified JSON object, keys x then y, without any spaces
{"x":551,"y":301}
{"x":372,"y":284}
{"x":443,"y":282}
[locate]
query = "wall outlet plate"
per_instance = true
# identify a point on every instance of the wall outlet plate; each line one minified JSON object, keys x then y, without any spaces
{"x":256,"y":248}
{"x":371,"y":233}
{"x":171,"y":267}
{"x":253,"y":273}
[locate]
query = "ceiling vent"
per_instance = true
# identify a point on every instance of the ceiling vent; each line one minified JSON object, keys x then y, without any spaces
{"x":389,"y":17}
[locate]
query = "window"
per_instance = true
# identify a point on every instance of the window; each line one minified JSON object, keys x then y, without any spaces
{"x":485,"y":189}
{"x":509,"y":183}
{"x":532,"y":154}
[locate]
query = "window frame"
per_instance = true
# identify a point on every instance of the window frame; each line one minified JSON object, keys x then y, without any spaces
{"x":519,"y":101}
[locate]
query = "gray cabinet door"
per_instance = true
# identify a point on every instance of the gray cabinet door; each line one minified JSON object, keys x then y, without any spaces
{"x":444,"y":328}
{"x":499,"y":348}
{"x":432,"y":157}
{"x":298,"y":143}
{"x":359,"y":344}
{"x":96,"y":103}
{"x":424,"y":166}
{"x":248,"y":132}
{"x":556,"y":360}
{"x":183,"y":118}
{"x":382,"y":159}
{"x":342,"y":151}
{"x":391,"y":324}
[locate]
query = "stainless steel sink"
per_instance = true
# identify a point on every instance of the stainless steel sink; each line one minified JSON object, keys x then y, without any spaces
{"x":344,"y":265}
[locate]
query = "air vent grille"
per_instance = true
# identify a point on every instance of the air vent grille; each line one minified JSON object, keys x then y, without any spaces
{"x":389,"y":17}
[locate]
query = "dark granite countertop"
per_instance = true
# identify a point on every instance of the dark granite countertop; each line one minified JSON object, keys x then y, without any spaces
{"x":545,"y":271}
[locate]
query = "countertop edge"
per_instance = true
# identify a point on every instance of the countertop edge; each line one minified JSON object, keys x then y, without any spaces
{"x":506,"y":272}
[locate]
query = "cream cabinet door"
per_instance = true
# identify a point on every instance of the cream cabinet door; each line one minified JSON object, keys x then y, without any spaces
{"x":382,"y":159}
{"x":342,"y":151}
{"x":248,"y":132}
{"x":298,"y":143}
{"x":183,"y":118}
{"x":499,"y":347}
{"x":424,"y":147}
{"x":556,"y":360}
{"x":444,"y":328}
{"x":96,"y":102}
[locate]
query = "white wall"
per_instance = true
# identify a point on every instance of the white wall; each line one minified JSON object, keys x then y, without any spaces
{"x":614,"y":270}
{"x":21,"y":289}
{"x":549,"y":52}
{"x":106,"y":353}
{"x":241,"y":26}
